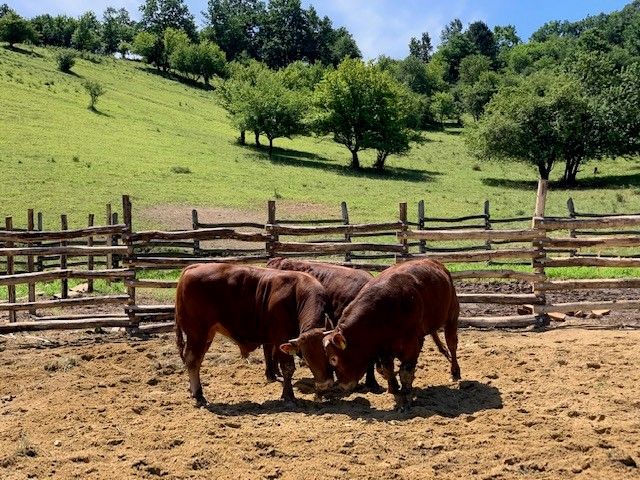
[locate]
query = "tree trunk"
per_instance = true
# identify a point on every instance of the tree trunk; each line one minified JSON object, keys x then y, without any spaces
{"x":243,"y":138}
{"x":355,"y":162}
{"x":270,"y":146}
{"x":544,"y":171}
{"x":571,"y":171}
{"x":380,"y":160}
{"x":257,"y":135}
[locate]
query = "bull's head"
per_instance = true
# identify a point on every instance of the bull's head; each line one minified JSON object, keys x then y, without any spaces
{"x":309,"y":344}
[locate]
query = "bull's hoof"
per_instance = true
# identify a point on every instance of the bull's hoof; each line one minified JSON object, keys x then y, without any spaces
{"x":290,"y":401}
{"x":273,"y":378}
{"x":201,"y":401}
{"x":455,"y":375}
{"x":374,"y":387}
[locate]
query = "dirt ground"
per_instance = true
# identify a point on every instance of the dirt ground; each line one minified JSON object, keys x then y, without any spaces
{"x":562,"y":403}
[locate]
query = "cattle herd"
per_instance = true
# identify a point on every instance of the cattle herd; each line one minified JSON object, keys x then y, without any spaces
{"x":343,"y":322}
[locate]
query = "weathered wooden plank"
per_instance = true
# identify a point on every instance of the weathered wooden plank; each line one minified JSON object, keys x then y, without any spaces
{"x":499,"y":298}
{"x":49,"y":275}
{"x":80,"y":251}
{"x":329,"y":248}
{"x":64,"y":325}
{"x":613,"y":221}
{"x":605,"y":242}
{"x":64,"y":302}
{"x":150,"y":262}
{"x":504,"y":273}
{"x":519,"y":321}
{"x":573,"y":306}
{"x":563,"y":285}
{"x":200,"y":234}
{"x":149,"y":283}
{"x":590,"y":262}
{"x":337,"y":229}
{"x":482,"y":256}
{"x":38,"y":236}
{"x":472,"y":234}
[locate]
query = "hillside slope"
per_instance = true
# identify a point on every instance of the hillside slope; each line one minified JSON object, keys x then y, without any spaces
{"x":57,"y":156}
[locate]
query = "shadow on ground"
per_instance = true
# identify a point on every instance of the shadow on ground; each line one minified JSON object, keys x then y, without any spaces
{"x":448,"y":401}
{"x":177,"y":78}
{"x":22,"y":51}
{"x":297,"y":158}
{"x":594,"y":182}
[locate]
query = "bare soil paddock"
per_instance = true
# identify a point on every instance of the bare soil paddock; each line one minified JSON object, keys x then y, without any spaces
{"x":564,"y":403}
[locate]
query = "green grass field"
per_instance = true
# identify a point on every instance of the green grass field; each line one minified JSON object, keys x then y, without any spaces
{"x":59,"y":157}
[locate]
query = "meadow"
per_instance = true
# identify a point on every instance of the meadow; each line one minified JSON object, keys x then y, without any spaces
{"x":57,"y":156}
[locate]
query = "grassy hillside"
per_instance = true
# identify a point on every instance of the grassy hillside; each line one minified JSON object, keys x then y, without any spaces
{"x":58,"y":156}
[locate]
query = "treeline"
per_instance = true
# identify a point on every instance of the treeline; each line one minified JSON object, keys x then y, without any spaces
{"x":569,"y":95}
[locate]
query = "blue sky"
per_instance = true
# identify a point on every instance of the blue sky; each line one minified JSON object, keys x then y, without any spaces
{"x":384,"y":26}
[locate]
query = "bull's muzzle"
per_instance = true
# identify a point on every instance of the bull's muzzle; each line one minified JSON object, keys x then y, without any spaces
{"x":349,"y":387}
{"x":324,"y":386}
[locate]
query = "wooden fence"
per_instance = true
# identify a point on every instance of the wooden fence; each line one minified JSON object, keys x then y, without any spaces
{"x":543,"y":243}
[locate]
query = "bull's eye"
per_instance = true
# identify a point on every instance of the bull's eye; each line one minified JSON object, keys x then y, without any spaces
{"x":333,"y":360}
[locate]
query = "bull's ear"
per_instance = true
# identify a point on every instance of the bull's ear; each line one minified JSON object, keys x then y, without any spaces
{"x":328,"y":324}
{"x":339,"y":341}
{"x":289,"y":348}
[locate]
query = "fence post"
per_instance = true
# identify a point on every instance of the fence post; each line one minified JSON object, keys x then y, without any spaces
{"x":30,"y":262}
{"x":572,"y":214}
{"x":403,"y":228}
{"x":129,"y":260}
{"x":109,"y":238}
{"x":271,"y":221}
{"x":90,"y":261}
{"x":423,"y":243}
{"x":64,"y":283}
{"x":537,"y":262}
{"x":347,"y":236}
{"x":116,"y":257}
{"x":487,"y":221}
{"x":11,"y":289}
{"x":195,"y":226}
{"x":40,"y":266}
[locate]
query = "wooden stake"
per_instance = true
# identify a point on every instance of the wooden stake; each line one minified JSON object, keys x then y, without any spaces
{"x":30,"y":262}
{"x":11,"y":289}
{"x":90,"y":260}
{"x":64,"y":283}
{"x":345,"y":221}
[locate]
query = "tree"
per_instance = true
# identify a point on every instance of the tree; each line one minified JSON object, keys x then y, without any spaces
{"x":472,"y":67}
{"x":233,"y":25}
{"x":476,"y":95}
{"x":87,"y":33}
{"x":283,"y":33}
{"x":15,"y":29}
{"x":343,"y":46}
{"x":482,"y":38}
{"x":203,"y":59}
{"x":355,"y":103}
{"x":421,"y":48}
{"x":544,"y":119}
{"x":55,"y":31}
{"x":443,"y":106}
{"x":117,"y":27}
{"x":66,"y":60}
{"x":506,"y":37}
{"x":233,"y":93}
{"x":158,"y":15}
{"x":454,"y":27}
{"x":172,"y":40}
{"x":95,"y":91}
{"x":150,"y":47}
{"x":4,"y":9}
{"x":451,"y":53}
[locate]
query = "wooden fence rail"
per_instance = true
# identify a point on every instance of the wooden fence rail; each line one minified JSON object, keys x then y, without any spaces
{"x":450,"y":240}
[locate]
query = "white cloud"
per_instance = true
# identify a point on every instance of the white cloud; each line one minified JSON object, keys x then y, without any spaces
{"x":386,"y":26}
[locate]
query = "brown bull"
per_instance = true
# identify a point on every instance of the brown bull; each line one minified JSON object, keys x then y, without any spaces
{"x":251,"y":306}
{"x":389,"y":319}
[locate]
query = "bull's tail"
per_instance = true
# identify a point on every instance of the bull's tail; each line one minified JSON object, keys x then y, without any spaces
{"x":179,"y":331}
{"x":441,"y":348}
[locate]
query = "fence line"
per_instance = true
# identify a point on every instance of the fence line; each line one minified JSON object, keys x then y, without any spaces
{"x":102,"y":248}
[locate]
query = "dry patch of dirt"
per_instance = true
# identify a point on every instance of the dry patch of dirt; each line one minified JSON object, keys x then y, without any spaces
{"x":556,"y":404}
{"x":176,"y":217}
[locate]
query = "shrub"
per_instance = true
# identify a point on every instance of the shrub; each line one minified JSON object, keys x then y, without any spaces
{"x":66,"y":60}
{"x":95,"y":91}
{"x":181,"y":170}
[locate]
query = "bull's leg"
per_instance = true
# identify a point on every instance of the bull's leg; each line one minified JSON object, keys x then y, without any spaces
{"x":385,"y":368}
{"x":451,"y":336}
{"x":194,"y":353}
{"x":407,"y":375}
{"x":287,"y":366}
{"x":370,"y":380}
{"x":271,"y":368}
